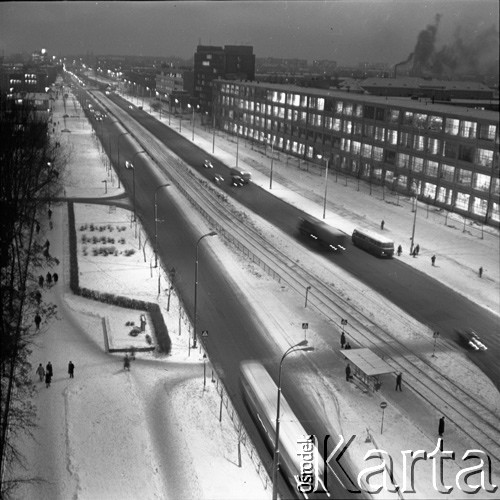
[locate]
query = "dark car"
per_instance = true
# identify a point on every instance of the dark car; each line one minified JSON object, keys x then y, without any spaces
{"x":237,"y":181}
{"x":472,"y":340}
{"x":208,"y":164}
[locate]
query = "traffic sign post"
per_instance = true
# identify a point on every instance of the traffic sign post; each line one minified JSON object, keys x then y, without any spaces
{"x":305,"y":326}
{"x":383,"y":405}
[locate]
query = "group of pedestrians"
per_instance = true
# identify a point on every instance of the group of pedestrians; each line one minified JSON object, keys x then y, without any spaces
{"x":49,"y":278}
{"x":46,"y":374}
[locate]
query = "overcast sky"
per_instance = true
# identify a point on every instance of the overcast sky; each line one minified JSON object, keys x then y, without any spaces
{"x":347,"y":31}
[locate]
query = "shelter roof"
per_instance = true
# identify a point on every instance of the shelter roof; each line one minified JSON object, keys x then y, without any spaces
{"x":367,"y":361}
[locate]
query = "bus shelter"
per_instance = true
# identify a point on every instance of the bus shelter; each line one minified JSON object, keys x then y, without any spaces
{"x":367,"y":367}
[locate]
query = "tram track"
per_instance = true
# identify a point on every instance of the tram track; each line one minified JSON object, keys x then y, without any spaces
{"x":425,"y":379}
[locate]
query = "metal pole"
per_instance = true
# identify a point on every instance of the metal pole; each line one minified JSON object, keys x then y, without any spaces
{"x":326,"y":187}
{"x":414,"y":223}
{"x":237,"y":145}
{"x":213,"y":134}
{"x":307,"y":292}
{"x":192,"y":138}
{"x":276,"y":459}
{"x":272,"y":159}
{"x":195,"y":321}
{"x":156,"y":227}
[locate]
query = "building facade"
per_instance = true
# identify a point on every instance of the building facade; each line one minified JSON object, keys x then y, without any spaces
{"x":445,"y":155}
{"x":212,"y":62}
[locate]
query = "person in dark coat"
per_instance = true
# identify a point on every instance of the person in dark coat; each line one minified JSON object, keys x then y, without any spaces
{"x":342,"y":340}
{"x":40,"y":372}
{"x":441,"y":427}
{"x":417,"y":249}
{"x":347,"y":346}
{"x":71,"y":369}
{"x":433,"y":259}
{"x":48,"y":378}
{"x":38,"y":320}
{"x":399,"y":379}
{"x":49,"y":213}
{"x":382,"y":224}
{"x":48,"y":278}
{"x":481,"y":272}
{"x":48,"y":369}
{"x":400,"y":250}
{"x":348,"y":372}
{"x":126,"y":363}
{"x":55,"y":277}
{"x":41,"y":279}
{"x":38,"y":297}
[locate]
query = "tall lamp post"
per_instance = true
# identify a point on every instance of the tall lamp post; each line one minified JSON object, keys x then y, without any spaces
{"x":326,"y":184}
{"x":272,"y":162}
{"x":180,"y":117}
{"x":130,"y":165}
{"x":301,"y":346}
{"x":212,"y":233}
{"x":118,"y":149}
{"x":414,"y":223}
{"x":156,"y":224}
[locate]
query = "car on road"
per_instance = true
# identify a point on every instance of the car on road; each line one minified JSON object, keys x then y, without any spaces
{"x":246,"y":176}
{"x":218,"y":179}
{"x":208,"y":164}
{"x":472,"y":340}
{"x":237,"y":181}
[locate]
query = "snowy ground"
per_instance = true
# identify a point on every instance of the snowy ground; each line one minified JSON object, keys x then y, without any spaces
{"x":154,"y":432}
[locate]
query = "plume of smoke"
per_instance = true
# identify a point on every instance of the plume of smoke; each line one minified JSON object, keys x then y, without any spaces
{"x":470,"y":53}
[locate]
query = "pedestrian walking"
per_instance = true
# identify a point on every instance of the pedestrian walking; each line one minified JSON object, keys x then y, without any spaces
{"x":48,"y":379}
{"x":414,"y":253}
{"x":48,"y":279}
{"x":400,"y":250}
{"x":382,"y":224}
{"x":49,"y":213}
{"x":47,"y":245}
{"x":71,"y":369}
{"x":38,"y":297}
{"x":399,"y":379}
{"x":41,"y":280}
{"x":126,"y":363}
{"x":481,"y":272}
{"x":38,"y":320}
{"x":441,"y":427}
{"x":48,"y":369}
{"x":417,"y":249}
{"x":40,"y":371}
{"x":348,"y":375}
{"x":342,"y":340}
{"x":37,"y":227}
{"x":55,"y":277}
{"x":433,"y":259}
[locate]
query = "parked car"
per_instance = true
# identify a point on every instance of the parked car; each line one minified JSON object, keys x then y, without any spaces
{"x":208,"y":164}
{"x":472,"y":340}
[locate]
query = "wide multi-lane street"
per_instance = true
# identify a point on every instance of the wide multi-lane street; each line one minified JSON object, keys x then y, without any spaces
{"x":234,"y":333}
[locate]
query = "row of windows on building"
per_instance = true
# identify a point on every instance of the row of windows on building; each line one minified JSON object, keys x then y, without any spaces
{"x":408,"y":173}
{"x":451,"y":149}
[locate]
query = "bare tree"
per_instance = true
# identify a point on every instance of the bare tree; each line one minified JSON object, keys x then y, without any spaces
{"x":29,"y":178}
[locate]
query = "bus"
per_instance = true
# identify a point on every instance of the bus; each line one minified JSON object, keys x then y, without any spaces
{"x":373,"y":243}
{"x":260,"y":393}
{"x":325,"y":235}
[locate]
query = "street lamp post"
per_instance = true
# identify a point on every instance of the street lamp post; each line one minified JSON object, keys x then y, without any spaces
{"x":326,"y":184}
{"x":272,"y":161}
{"x":301,"y":346}
{"x":156,"y":227}
{"x":118,"y":149}
{"x":414,"y":223}
{"x":131,"y":166}
{"x":212,"y":233}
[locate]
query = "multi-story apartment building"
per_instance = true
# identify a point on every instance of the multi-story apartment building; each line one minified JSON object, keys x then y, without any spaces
{"x":212,"y":62}
{"x":445,"y":155}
